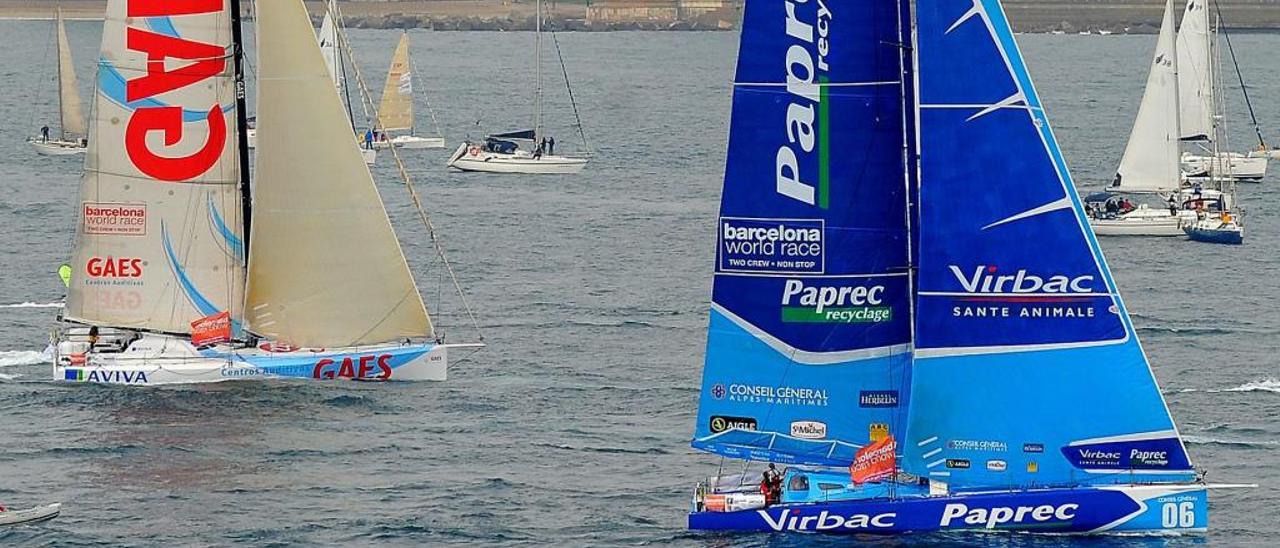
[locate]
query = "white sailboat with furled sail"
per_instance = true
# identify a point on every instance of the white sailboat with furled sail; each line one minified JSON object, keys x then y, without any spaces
{"x":330,"y":41}
{"x":395,"y":112}
{"x":183,"y":271}
{"x":529,"y":151}
{"x":71,"y":137}
{"x":1149,"y":195}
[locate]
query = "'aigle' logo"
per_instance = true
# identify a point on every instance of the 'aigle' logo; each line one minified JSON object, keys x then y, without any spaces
{"x":809,"y":107}
{"x":985,"y":280}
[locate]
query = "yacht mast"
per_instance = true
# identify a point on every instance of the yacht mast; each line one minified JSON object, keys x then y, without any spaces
{"x":537,"y":70}
{"x":242,"y":120}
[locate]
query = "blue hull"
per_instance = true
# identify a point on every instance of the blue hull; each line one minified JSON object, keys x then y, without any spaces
{"x":1229,"y":237}
{"x":1147,"y":509}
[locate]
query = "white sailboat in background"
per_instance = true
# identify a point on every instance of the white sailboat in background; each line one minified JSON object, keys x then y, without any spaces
{"x":395,"y":112}
{"x":1201,"y":108}
{"x":528,"y":151}
{"x":72,"y":132}
{"x":329,"y":39}
{"x":184,"y":271}
{"x":1150,"y":170}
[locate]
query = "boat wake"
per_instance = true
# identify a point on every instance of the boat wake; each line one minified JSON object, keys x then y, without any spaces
{"x":30,"y":304}
{"x":1265,"y":385}
{"x":1250,"y":444}
{"x":10,"y":358}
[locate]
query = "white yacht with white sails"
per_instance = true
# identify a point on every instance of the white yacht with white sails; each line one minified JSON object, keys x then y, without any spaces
{"x":529,"y":151}
{"x":1150,"y":169}
{"x":72,"y":134}
{"x":184,"y":270}
{"x":395,"y":112}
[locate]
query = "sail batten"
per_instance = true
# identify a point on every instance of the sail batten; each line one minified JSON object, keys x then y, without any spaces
{"x":147,"y":253}
{"x":325,"y":268}
{"x":395,"y":113}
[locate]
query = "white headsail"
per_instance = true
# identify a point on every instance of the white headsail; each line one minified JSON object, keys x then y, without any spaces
{"x":1195,"y":73}
{"x":325,"y":268}
{"x":396,"y":110}
{"x":327,"y":37}
{"x":1151,"y":159}
{"x":68,"y":88}
{"x":158,"y":240}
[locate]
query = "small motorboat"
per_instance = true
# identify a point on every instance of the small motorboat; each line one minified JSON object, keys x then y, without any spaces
{"x":30,"y":515}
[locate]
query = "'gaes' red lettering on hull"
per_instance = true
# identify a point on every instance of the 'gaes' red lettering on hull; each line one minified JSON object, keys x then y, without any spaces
{"x":359,"y":368}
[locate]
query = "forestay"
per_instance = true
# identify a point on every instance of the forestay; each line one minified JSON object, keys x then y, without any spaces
{"x":1027,"y":371}
{"x":159,"y":221}
{"x":325,"y":269}
{"x":808,"y":346}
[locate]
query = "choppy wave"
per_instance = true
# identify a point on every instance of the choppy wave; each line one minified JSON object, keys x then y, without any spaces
{"x":10,"y":358}
{"x":1250,"y":444}
{"x":30,"y":304}
{"x":1265,"y":385}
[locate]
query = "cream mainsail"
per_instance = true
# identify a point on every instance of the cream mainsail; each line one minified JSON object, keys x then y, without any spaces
{"x":158,"y":238}
{"x":1151,"y":159}
{"x":396,"y":110}
{"x":1195,"y":73}
{"x":325,"y":268}
{"x":68,"y":88}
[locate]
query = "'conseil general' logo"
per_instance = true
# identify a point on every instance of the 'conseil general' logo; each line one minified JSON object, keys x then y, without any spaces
{"x":718,"y":391}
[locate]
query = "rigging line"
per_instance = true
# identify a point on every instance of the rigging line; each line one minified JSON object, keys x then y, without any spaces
{"x":581,"y":132}
{"x":413,"y":69}
{"x":422,"y":214}
{"x":435,"y":238}
{"x":1222,"y":28}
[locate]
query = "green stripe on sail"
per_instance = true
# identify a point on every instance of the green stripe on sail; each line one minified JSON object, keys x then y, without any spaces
{"x":824,"y":144}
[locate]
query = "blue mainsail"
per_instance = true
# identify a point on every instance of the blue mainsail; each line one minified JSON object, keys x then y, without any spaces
{"x":809,"y":341}
{"x":1027,"y":369}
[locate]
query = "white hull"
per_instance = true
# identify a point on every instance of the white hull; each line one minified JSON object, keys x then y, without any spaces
{"x":1246,"y":168}
{"x":474,"y":158}
{"x":1144,"y":222}
{"x":1273,"y":154}
{"x":56,"y":147}
{"x":30,"y":515}
{"x":411,"y":142}
{"x":155,"y":359}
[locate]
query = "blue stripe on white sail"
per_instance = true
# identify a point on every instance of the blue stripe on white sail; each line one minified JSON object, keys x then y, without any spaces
{"x":809,"y":339}
{"x":1027,"y":370}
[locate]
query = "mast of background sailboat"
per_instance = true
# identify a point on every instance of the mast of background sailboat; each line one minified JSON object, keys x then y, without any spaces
{"x":537,"y":70}
{"x":242,"y":121}
{"x":62,"y":109}
{"x":1222,"y":28}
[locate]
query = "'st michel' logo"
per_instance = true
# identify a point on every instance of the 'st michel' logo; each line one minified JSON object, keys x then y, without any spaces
{"x":986,"y":279}
{"x":205,"y":61}
{"x":809,"y":106}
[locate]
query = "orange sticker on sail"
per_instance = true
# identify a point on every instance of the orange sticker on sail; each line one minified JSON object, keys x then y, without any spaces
{"x":874,"y":462}
{"x":211,"y":329}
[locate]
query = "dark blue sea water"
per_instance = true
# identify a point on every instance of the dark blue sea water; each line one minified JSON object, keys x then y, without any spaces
{"x":592,"y":291}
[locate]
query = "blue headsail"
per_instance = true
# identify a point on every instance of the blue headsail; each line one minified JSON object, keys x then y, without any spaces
{"x":1028,"y":371}
{"x":809,"y":338}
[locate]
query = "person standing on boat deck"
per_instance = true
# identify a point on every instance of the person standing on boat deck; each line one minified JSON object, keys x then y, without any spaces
{"x":93,"y":337}
{"x":368,"y":139}
{"x":1173,"y":204}
{"x":44,"y":133}
{"x":537,"y":151}
{"x":551,"y":146}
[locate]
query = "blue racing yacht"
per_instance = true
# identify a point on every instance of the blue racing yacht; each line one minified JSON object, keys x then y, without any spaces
{"x":910,"y":313}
